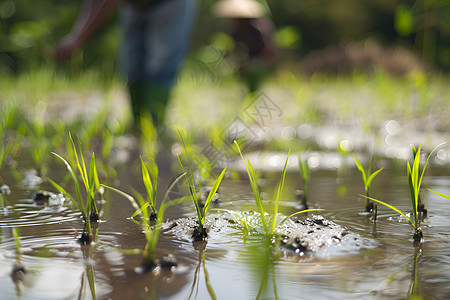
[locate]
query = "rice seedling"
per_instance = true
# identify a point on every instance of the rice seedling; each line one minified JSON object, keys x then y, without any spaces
{"x":151,"y":232}
{"x":150,"y":177}
{"x":367,"y":178}
{"x":269,"y":228}
{"x":200,"y":233}
{"x":420,"y":206}
{"x":415,"y":181}
{"x":303,"y":167}
{"x":91,"y":183}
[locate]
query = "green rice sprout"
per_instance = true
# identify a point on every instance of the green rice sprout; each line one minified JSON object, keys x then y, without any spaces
{"x":420,"y":206}
{"x":415,"y":181}
{"x":151,"y":232}
{"x":268,"y":228}
{"x":91,"y":183}
{"x":200,"y":233}
{"x":303,"y":167}
{"x":367,"y":178}
{"x":150,"y":177}
{"x":440,"y":194}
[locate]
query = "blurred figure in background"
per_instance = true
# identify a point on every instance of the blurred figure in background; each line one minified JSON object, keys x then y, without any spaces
{"x":156,"y":36}
{"x":253,"y":33}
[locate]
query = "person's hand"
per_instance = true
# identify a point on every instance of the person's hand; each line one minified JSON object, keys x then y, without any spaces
{"x":67,"y":47}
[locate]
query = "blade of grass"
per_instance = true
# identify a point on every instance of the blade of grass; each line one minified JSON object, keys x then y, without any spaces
{"x":212,"y":193}
{"x":63,"y":191}
{"x":193,"y":194}
{"x":278,"y":196}
{"x":77,"y":186}
{"x":149,"y":186}
{"x":440,"y":194}
{"x":393,"y":208}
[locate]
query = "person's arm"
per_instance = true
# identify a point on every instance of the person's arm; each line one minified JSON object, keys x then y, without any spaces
{"x":93,"y":16}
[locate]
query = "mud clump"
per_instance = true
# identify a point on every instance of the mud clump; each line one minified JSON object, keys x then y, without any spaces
{"x":48,"y":198}
{"x":312,"y":236}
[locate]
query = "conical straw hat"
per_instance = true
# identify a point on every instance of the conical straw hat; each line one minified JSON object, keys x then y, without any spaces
{"x":239,"y":9}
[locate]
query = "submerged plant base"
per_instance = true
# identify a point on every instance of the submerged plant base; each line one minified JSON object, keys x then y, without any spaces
{"x":153,"y":216}
{"x":167,"y":263}
{"x":147,"y":266}
{"x":198,"y":235}
{"x":422,"y":210}
{"x":369,"y":207}
{"x":94,"y":218}
{"x":85,"y":239}
{"x":18,"y":273}
{"x":418,"y":236}
{"x":300,"y":196}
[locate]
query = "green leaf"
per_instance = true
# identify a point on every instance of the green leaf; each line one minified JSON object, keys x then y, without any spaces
{"x":361,"y":169}
{"x":77,"y":186}
{"x":212,"y":193}
{"x":63,"y":191}
{"x":393,"y":208}
{"x":277,"y":198}
{"x":140,"y":210}
{"x":372,"y":176}
{"x":148,"y":184}
{"x":130,"y":198}
{"x":193,"y":194}
{"x":440,"y":194}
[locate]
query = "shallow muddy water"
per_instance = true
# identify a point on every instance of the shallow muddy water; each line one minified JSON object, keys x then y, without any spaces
{"x":231,"y":265}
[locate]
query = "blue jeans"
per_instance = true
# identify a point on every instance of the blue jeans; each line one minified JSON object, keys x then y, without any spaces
{"x":155,"y":41}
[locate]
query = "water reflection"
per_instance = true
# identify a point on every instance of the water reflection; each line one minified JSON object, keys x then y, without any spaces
{"x":200,"y":246}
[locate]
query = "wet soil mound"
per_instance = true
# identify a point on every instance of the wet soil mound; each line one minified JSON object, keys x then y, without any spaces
{"x":313,"y":235}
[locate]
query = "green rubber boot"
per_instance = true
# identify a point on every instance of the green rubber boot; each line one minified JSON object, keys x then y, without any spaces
{"x":149,"y":100}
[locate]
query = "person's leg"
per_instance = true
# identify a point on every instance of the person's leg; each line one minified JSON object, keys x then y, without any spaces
{"x":164,"y":33}
{"x":132,"y":56}
{"x":167,"y":39}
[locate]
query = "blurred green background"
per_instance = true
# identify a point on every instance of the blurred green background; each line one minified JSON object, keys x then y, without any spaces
{"x":29,"y":30}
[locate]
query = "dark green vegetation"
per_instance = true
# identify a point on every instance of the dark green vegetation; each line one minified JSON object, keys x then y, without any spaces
{"x":27,"y":34}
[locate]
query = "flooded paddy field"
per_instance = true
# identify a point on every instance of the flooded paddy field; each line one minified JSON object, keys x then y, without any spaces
{"x":339,"y":252}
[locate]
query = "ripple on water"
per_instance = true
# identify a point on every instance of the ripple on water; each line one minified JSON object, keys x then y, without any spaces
{"x":28,"y":213}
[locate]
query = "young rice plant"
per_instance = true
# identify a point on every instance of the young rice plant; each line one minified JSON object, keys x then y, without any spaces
{"x":367,"y":178}
{"x":269,"y":227}
{"x":415,"y":181}
{"x":151,"y":232}
{"x":91,"y":184}
{"x":200,"y":233}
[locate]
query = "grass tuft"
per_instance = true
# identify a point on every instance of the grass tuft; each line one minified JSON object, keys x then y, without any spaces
{"x":201,"y":234}
{"x":367,"y":178}
{"x":269,"y":229}
{"x":91,"y":183}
